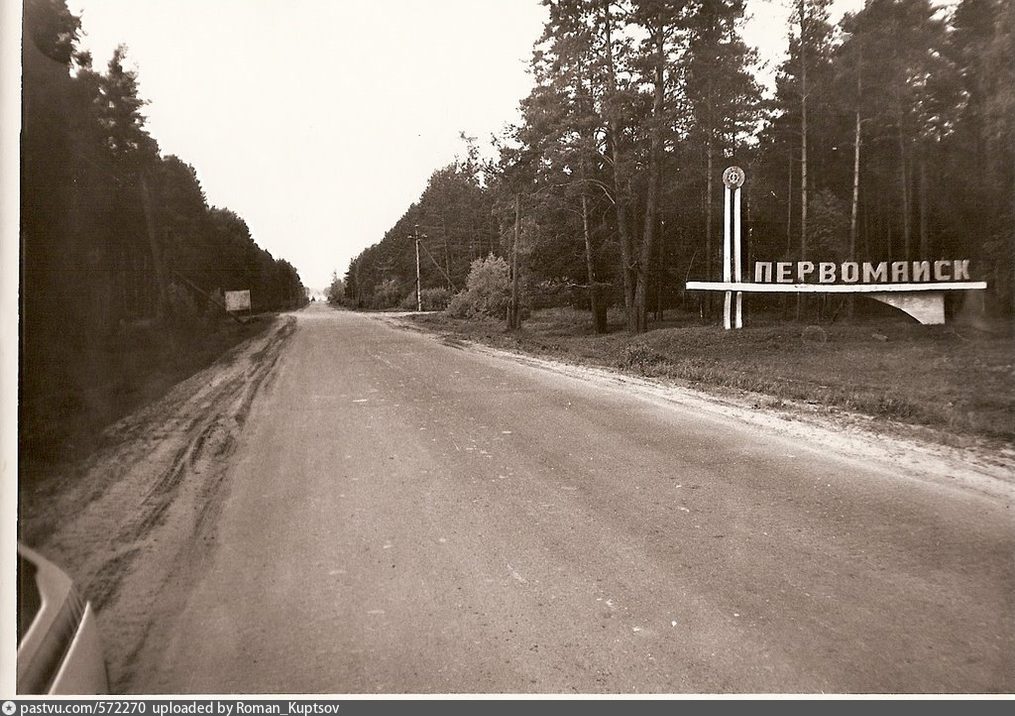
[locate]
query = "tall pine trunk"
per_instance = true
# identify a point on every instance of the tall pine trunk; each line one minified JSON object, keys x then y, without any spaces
{"x":652,"y":202}
{"x":906,"y":207}
{"x":789,"y":205}
{"x":619,"y":182}
{"x":803,"y":142}
{"x":598,"y":318}
{"x":595,"y":300}
{"x":709,"y":188}
{"x":924,"y":237}
{"x":514,"y":310}
{"x":855,"y":206}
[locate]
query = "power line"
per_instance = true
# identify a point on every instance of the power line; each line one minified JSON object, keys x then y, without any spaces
{"x":439,"y":267}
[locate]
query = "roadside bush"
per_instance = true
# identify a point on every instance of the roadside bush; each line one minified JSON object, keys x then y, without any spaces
{"x":487,"y":291}
{"x":458,"y":307}
{"x":434,"y":299}
{"x":386,"y":294}
{"x":336,"y":291}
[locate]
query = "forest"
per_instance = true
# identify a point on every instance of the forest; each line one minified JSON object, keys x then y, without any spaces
{"x":123,"y":262}
{"x":889,"y":136}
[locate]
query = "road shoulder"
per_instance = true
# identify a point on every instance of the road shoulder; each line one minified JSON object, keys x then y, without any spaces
{"x":930,"y":455}
{"x":137,"y":521}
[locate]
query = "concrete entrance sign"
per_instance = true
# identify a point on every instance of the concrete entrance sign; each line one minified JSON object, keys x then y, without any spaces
{"x":915,"y":287}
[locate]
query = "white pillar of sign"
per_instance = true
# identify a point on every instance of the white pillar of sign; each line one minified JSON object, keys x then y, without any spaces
{"x":732,"y":179}
{"x":737,"y":257}
{"x":726,"y":237}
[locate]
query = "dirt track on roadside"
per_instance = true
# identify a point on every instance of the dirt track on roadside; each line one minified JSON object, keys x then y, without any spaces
{"x":133,"y":527}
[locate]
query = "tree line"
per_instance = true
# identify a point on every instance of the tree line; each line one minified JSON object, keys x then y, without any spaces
{"x":115,"y":237}
{"x":889,"y":137}
{"x":454,"y":221}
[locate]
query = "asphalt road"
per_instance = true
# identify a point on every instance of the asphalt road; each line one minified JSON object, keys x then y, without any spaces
{"x":408,"y":516}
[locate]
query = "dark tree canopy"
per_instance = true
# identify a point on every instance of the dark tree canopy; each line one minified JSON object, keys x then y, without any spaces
{"x":113,"y":234}
{"x":889,"y":137}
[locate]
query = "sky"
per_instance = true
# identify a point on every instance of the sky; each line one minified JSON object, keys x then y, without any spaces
{"x":320,"y":121}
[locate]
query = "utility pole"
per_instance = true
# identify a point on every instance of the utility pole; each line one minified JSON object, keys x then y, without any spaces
{"x":419,"y":297}
{"x":514,"y":315}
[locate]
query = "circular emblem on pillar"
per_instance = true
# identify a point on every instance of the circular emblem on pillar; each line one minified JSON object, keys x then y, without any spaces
{"x":733,"y":177}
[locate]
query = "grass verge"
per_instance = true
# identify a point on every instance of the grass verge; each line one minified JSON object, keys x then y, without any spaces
{"x":956,"y":379}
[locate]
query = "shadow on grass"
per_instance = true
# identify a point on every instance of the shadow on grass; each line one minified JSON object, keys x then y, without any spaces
{"x":65,"y":404}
